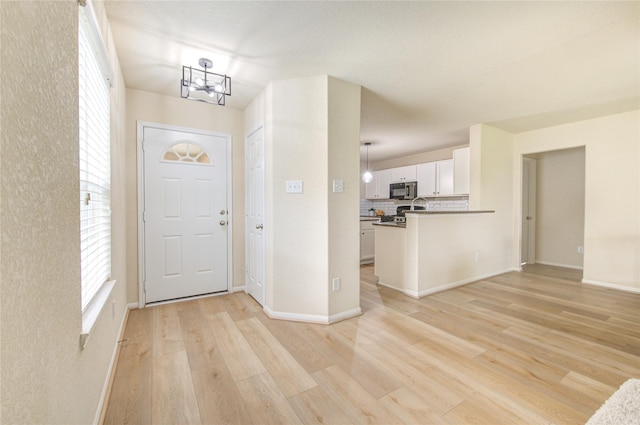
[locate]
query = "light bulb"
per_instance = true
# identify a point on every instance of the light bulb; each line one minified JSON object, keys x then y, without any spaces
{"x":367,"y":177}
{"x":211,"y":94}
{"x":218,"y":88}
{"x":199,"y":81}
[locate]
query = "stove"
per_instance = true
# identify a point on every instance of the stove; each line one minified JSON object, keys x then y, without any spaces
{"x":399,"y":217}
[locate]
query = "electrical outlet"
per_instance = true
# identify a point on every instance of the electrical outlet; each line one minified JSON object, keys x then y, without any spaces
{"x":294,"y":186}
{"x":580,"y":249}
{"x":336,"y":284}
{"x":477,"y":256}
{"x":113,"y":309}
{"x":338,"y":186}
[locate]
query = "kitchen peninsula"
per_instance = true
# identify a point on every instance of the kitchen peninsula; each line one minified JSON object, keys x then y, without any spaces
{"x":437,"y":250}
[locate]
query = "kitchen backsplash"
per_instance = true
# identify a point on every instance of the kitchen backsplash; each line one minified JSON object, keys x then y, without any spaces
{"x":438,"y":204}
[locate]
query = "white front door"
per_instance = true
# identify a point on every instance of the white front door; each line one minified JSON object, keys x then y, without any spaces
{"x":185,"y":213}
{"x":254,"y":216}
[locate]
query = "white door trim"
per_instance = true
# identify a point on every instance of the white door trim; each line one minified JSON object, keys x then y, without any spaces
{"x":529,"y":166}
{"x":141,"y":125}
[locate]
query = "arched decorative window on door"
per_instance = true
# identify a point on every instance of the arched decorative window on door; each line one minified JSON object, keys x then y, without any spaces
{"x":188,"y":153}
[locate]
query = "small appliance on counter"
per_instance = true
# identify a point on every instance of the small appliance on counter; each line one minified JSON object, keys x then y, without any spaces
{"x":399,"y":217}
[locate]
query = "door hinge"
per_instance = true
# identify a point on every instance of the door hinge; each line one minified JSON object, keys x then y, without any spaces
{"x":144,"y":216}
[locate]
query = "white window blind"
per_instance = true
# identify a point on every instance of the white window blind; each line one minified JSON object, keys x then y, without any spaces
{"x":95,"y":167}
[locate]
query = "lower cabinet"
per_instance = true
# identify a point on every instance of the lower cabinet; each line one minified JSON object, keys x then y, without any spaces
{"x":367,"y":242}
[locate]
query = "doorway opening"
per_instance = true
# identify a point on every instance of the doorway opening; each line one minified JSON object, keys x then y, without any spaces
{"x":553,"y":196}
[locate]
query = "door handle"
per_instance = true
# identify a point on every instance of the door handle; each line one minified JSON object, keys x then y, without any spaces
{"x":222,"y":222}
{"x":259,"y":226}
{"x":529,"y":218}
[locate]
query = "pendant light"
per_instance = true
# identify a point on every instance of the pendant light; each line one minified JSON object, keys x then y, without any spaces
{"x":367,"y":177}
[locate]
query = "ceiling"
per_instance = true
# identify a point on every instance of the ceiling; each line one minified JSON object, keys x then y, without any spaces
{"x":428,"y":70}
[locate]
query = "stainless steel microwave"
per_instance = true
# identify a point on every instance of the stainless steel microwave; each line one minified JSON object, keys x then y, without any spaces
{"x":405,"y":190}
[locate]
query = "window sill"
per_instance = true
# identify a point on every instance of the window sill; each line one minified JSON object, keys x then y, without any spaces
{"x":94,"y":309}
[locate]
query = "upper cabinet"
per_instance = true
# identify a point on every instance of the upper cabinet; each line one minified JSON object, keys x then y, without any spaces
{"x":449,"y":177}
{"x":403,"y":174}
{"x":461,"y":171}
{"x":379,"y":186}
{"x":435,"y":178}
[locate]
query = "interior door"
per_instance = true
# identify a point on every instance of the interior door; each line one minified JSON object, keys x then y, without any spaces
{"x":254,"y":216}
{"x":528,"y":242}
{"x":185,"y":213}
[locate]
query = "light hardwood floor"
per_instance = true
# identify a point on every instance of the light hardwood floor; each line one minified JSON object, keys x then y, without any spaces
{"x":519,"y":348}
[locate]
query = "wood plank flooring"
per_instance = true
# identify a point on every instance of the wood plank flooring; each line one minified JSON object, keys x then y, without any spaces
{"x":535,"y":347}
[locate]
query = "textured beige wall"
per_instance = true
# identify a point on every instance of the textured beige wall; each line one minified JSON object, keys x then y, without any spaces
{"x":612,"y":198}
{"x":491,"y":183}
{"x":145,"y":106}
{"x":451,"y":249}
{"x":311,"y":134}
{"x":560,"y":207}
{"x":344,"y":208}
{"x":46,"y":377}
{"x":299,"y":229}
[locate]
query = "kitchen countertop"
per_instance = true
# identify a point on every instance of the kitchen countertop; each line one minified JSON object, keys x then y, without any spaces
{"x":431,"y":212}
{"x":391,"y":224}
{"x":368,"y":218}
{"x":423,"y":212}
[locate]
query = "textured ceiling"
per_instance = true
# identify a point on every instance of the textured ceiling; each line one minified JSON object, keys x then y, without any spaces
{"x":428,"y":70}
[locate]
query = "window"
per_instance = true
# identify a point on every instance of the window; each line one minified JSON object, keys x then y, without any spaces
{"x":95,"y":164}
{"x":186,"y":152}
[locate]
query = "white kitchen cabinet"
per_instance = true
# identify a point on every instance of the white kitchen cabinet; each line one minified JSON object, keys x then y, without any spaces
{"x":426,"y":174}
{"x":367,"y":242}
{"x":435,"y":178}
{"x":379,"y":186}
{"x":461,"y":171}
{"x":445,"y":177}
{"x":403,"y":174}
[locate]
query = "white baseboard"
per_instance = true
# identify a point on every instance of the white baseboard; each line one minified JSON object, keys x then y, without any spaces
{"x":345,"y":315}
{"x":386,"y":285}
{"x":112,"y":363}
{"x":312,"y":318}
{"x":612,"y":286}
{"x":242,"y":288}
{"x":462,"y":282}
{"x":447,"y":286}
{"x":566,"y":266}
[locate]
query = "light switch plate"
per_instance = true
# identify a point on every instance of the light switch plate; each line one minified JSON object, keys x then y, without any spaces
{"x":338,"y":186}
{"x":294,"y":186}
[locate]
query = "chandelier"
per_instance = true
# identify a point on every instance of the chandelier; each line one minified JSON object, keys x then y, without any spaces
{"x":204,"y":85}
